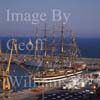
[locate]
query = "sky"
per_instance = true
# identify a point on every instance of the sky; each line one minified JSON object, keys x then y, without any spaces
{"x":84,"y":17}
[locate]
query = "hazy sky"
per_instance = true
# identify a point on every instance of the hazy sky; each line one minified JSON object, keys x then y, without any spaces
{"x":84,"y":19}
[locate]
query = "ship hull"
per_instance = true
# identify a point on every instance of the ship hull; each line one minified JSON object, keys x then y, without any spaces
{"x":55,"y":79}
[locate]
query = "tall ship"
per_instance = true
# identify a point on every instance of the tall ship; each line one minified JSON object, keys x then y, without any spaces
{"x":57,"y":68}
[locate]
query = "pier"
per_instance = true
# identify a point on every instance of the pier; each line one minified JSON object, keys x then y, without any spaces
{"x":20,"y":58}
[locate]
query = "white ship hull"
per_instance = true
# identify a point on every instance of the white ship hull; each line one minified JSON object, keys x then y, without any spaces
{"x":55,"y":79}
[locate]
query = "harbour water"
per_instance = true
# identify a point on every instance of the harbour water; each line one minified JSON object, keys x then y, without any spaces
{"x":20,"y":79}
{"x":89,"y":47}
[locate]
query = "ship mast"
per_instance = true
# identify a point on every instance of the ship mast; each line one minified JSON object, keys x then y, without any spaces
{"x":45,"y":59}
{"x":45,"y":41}
{"x":53,"y":42}
{"x":73,"y":50}
{"x":62,"y":39}
{"x":36,"y":43}
{"x":62,"y":46}
{"x":53,"y":47}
